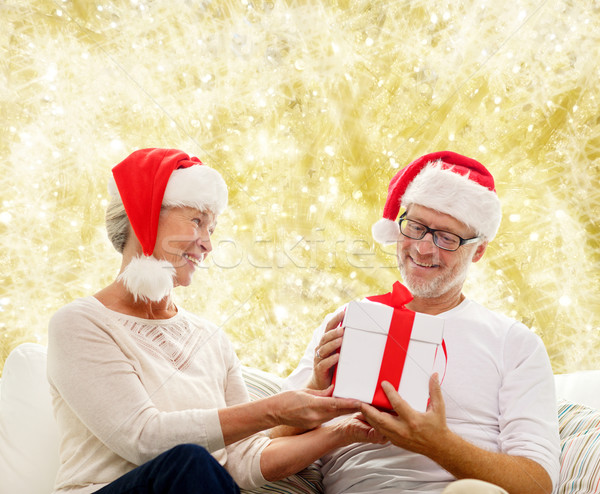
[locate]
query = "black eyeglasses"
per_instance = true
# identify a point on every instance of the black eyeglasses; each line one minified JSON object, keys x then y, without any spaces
{"x":444,"y":240}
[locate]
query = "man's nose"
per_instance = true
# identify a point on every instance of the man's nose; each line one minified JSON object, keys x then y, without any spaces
{"x":426,"y":244}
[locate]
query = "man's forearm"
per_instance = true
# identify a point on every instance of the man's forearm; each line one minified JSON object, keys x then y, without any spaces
{"x":516,"y":474}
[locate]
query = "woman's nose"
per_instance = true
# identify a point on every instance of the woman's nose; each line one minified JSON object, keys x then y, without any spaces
{"x":204,"y":242}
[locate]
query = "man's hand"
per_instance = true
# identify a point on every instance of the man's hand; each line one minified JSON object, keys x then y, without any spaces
{"x":428,"y":434}
{"x":410,"y":429}
{"x":327,"y":353}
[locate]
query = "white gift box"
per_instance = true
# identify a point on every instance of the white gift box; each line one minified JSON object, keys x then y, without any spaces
{"x":367,"y":326}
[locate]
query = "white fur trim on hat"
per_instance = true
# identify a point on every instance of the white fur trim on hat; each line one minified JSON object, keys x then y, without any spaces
{"x":148,"y":278}
{"x":385,"y":231}
{"x":197,"y":186}
{"x":454,"y":194}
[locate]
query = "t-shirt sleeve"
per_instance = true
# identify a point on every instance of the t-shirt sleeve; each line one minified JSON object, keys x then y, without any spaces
{"x":528,"y":420}
{"x":300,"y":376}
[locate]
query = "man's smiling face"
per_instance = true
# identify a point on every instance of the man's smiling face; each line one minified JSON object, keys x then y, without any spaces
{"x":427,"y":270}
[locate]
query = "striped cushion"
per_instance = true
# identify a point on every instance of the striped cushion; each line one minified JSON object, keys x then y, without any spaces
{"x":261,"y":384}
{"x":580,"y":448}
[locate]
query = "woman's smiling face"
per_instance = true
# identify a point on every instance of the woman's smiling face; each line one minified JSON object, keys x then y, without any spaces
{"x":183,"y":239}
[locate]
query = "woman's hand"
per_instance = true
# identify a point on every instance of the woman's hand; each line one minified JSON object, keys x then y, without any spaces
{"x":306,"y":409}
{"x":284,"y":456}
{"x":356,"y":429}
{"x":327,"y":353}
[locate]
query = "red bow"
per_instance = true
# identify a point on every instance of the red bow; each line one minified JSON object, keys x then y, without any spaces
{"x":397,"y":298}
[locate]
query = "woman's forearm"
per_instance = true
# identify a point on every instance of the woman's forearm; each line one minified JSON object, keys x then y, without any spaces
{"x":285,"y":456}
{"x":241,"y":421}
{"x":301,"y":409}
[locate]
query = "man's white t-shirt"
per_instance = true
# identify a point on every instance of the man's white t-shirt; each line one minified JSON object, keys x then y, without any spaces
{"x":499,"y":394}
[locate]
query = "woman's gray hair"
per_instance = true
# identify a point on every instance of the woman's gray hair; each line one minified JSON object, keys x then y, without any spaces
{"x":117,"y":224}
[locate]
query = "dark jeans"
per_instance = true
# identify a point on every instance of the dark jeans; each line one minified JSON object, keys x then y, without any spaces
{"x":184,"y":469}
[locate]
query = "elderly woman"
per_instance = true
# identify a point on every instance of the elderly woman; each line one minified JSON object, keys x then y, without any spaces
{"x":149,"y":398}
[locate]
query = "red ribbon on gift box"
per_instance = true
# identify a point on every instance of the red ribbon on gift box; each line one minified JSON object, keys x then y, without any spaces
{"x":398,"y":339}
{"x":396,"y":346}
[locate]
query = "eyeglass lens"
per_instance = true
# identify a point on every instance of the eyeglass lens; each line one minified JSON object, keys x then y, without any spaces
{"x":416,"y":231}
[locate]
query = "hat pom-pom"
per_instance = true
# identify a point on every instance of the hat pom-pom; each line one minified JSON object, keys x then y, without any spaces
{"x":385,"y":231}
{"x":148,"y":278}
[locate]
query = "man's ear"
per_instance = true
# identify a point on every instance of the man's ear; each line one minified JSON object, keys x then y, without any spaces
{"x":479,"y":251}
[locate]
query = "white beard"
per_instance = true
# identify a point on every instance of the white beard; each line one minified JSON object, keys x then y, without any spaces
{"x":436,"y":287}
{"x":148,"y":278}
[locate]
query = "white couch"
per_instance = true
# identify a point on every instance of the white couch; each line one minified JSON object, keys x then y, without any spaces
{"x":29,"y":442}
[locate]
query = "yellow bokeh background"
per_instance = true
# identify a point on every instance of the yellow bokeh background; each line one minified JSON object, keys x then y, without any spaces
{"x":307,"y":108}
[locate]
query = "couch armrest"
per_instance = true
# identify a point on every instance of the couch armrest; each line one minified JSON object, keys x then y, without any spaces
{"x":579,"y":387}
{"x":28,"y":434}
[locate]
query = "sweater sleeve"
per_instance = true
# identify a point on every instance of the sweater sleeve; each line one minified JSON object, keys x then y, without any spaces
{"x":528,"y":420}
{"x":104,"y":394}
{"x":243,"y":457}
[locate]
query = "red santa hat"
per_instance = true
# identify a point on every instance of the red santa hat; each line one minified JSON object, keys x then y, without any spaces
{"x":147,"y":180}
{"x":449,"y":183}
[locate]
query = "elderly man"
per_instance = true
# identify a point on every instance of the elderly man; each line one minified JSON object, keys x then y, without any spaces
{"x":492,"y":422}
